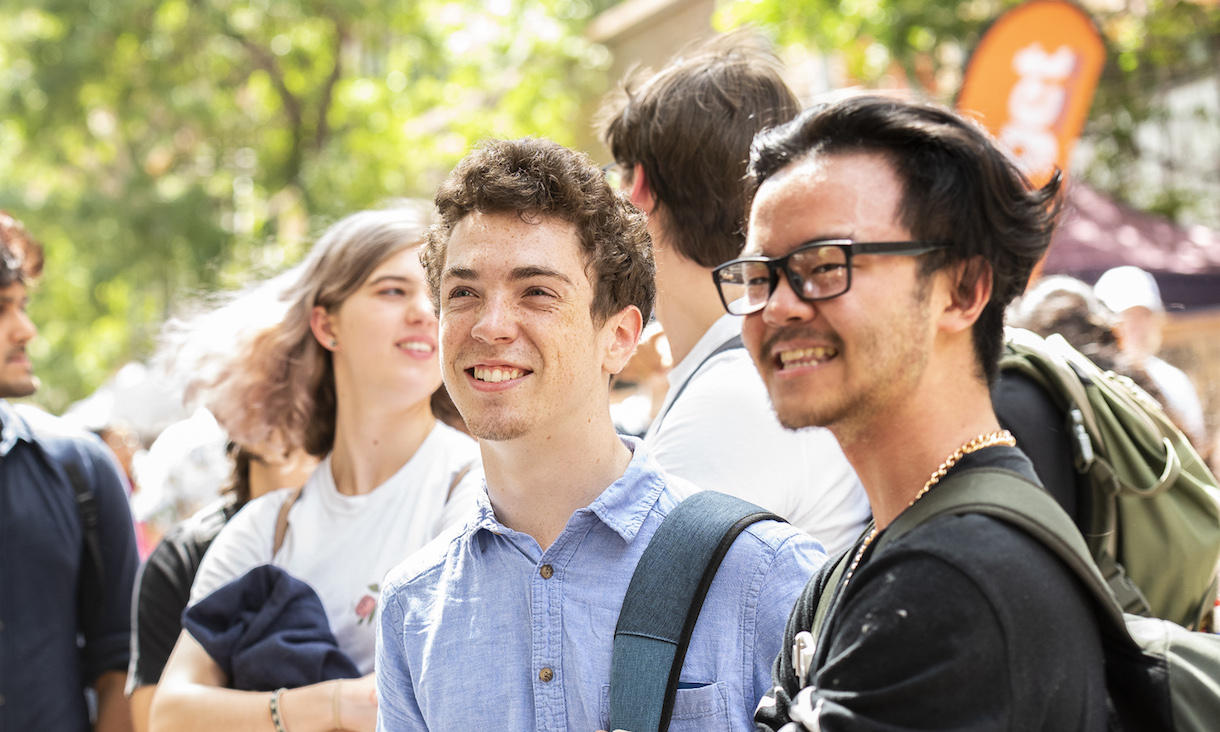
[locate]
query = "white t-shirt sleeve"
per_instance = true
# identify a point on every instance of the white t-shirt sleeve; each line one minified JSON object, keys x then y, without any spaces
{"x":461,"y":504}
{"x":243,"y":544}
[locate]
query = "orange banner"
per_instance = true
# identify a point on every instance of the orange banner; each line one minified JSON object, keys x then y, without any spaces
{"x":1031,"y":82}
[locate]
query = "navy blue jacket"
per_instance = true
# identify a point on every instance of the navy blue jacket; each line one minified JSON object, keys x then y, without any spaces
{"x":43,"y":668}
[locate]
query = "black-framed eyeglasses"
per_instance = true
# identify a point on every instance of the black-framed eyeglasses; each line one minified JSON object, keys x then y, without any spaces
{"x":816,"y":270}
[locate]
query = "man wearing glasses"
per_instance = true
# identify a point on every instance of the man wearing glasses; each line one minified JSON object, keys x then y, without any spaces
{"x":885,"y":240}
{"x":681,"y":138}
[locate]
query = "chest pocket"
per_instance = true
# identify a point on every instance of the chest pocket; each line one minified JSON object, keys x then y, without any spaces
{"x":697,"y":708}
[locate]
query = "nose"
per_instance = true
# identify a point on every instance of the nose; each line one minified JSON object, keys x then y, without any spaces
{"x":494,"y":323}
{"x":420,"y":309}
{"x":785,"y":307}
{"x":25,"y":330}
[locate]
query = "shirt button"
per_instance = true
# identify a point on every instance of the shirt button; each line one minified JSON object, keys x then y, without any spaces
{"x":546,"y":675}
{"x":546,"y":571}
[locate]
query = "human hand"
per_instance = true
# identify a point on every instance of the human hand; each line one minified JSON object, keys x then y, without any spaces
{"x":355,"y":704}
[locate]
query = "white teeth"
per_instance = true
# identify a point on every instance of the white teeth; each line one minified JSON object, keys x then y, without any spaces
{"x":420,"y":346}
{"x":495,"y":376}
{"x":816,"y":354}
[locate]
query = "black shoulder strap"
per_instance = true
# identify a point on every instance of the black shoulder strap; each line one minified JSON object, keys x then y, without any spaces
{"x":730,"y":344}
{"x":68,"y":456}
{"x":93,"y":589}
{"x":663,"y":602}
{"x":1010,"y":497}
{"x":826,"y":595}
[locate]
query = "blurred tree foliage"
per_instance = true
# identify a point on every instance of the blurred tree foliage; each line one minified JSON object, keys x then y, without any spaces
{"x":1152,"y":46}
{"x":163,"y":147}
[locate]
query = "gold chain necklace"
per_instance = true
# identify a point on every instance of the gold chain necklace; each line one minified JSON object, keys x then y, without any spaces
{"x":1001,"y":437}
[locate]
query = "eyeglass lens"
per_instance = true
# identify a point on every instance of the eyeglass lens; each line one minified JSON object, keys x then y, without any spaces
{"x":816,"y":273}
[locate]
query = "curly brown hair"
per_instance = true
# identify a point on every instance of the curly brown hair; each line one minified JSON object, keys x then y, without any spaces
{"x":21,"y":256}
{"x":538,"y":178}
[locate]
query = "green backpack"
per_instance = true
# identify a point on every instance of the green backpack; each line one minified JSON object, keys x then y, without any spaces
{"x":1155,"y":507}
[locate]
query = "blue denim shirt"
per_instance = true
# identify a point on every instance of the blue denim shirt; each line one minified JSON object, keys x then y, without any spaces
{"x":481,"y":629}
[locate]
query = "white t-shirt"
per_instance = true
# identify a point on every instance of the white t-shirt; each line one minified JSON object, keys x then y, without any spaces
{"x":722,"y":434}
{"x":343,"y":546}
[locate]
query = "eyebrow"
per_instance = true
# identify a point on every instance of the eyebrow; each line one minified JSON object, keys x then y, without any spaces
{"x":388,"y":278}
{"x":519,"y":273}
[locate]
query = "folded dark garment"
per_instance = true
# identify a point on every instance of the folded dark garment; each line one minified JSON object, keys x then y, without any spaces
{"x":268,"y":630}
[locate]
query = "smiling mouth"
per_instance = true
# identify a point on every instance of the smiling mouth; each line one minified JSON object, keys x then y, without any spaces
{"x":418,"y":346}
{"x":495,"y":376}
{"x":798,"y":357}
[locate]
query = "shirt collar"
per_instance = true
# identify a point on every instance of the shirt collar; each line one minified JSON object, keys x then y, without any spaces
{"x":622,"y":506}
{"x":12,"y":428}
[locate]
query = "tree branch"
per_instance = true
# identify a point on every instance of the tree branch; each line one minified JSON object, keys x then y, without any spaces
{"x":342,"y":33}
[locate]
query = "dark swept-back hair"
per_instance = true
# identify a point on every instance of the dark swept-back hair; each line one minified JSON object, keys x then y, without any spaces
{"x":540,"y":179}
{"x":20,"y":255}
{"x":958,"y":188}
{"x":689,"y":126}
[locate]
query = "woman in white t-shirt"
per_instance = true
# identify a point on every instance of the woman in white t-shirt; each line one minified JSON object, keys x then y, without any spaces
{"x":350,"y":375}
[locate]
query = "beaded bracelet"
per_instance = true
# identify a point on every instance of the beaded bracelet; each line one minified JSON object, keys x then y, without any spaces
{"x":275,"y":710}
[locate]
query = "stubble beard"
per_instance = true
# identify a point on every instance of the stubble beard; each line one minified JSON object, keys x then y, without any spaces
{"x":19,"y":387}
{"x":895,"y":363}
{"x":497,"y":430}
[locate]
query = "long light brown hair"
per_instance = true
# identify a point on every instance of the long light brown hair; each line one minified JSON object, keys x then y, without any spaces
{"x":280,"y":388}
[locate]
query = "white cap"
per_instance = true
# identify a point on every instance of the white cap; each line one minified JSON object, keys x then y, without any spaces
{"x":1127,"y":287}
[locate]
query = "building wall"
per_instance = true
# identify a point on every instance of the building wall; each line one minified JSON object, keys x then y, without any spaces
{"x":647,"y":33}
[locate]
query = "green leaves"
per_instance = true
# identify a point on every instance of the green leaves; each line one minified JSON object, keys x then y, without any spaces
{"x":163,"y":147}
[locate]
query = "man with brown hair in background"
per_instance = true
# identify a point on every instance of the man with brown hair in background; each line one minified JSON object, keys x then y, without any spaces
{"x":681,"y":138}
{"x":67,"y":544}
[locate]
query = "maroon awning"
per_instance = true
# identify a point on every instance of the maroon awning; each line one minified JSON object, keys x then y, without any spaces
{"x":1096,"y":233}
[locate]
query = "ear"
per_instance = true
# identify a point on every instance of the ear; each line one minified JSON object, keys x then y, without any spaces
{"x":323,"y":326}
{"x":622,"y":333}
{"x":969,"y":286}
{"x":641,"y":192}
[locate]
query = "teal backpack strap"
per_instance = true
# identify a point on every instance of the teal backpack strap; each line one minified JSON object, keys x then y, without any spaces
{"x":663,"y":602}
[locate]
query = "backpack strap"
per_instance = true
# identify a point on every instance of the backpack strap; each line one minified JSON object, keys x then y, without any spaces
{"x":281,"y":521}
{"x":662,"y":605}
{"x":830,"y":587}
{"x":64,"y":453}
{"x":457,"y":478}
{"x":91,"y":583}
{"x":729,"y":345}
{"x":1012,"y":498}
